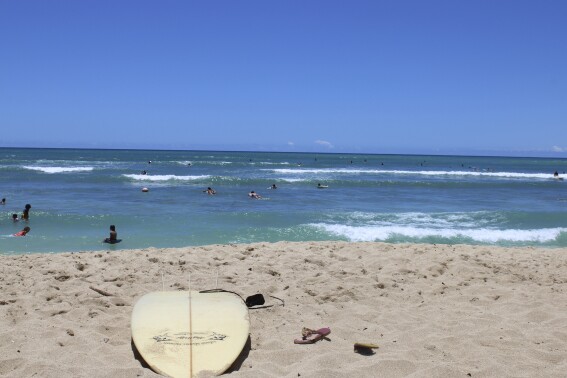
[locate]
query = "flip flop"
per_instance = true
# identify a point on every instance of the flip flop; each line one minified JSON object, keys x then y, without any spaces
{"x":312,"y":336}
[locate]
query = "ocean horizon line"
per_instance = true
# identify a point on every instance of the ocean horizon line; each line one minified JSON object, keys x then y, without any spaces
{"x":493,"y":154}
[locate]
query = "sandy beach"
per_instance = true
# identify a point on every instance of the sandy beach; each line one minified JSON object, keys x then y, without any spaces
{"x":434,"y":310}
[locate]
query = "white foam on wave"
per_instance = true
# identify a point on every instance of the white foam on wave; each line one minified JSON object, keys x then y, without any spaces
{"x":302,"y":171}
{"x":165,"y":177}
{"x":381,"y":233}
{"x":188,"y":162}
{"x":517,"y":175}
{"x":58,"y":169}
{"x":289,"y":179}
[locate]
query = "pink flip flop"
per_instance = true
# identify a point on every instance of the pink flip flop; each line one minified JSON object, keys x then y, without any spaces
{"x":311,"y":336}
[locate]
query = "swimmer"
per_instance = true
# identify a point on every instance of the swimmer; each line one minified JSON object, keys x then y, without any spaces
{"x":26,"y":212}
{"x":274,"y":186}
{"x":254,"y":195}
{"x":210,"y":191}
{"x":144,"y":172}
{"x":555,"y":174}
{"x":15,"y":218}
{"x":23,"y":232}
{"x":3,"y":202}
{"x":113,"y":235}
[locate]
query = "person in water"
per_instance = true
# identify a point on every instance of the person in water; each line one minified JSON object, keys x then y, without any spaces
{"x":555,"y":174}
{"x":24,"y":232}
{"x":26,"y":212}
{"x":3,"y":202}
{"x":210,"y":191}
{"x":254,"y":195}
{"x":274,"y":186}
{"x":15,"y":218}
{"x":113,"y":235}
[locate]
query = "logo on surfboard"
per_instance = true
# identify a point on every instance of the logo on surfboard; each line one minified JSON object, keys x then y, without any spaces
{"x":186,"y":338}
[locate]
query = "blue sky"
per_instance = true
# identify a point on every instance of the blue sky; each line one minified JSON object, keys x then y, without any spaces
{"x":457,"y":77}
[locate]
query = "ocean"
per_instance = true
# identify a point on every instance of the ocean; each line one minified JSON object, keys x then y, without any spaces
{"x":76,"y":194}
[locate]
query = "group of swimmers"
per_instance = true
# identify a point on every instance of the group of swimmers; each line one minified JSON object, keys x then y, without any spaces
{"x":25,"y":217}
{"x":252,"y":194}
{"x":210,"y":191}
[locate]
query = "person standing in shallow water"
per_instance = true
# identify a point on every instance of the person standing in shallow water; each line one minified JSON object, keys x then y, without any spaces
{"x":26,"y":212}
{"x":113,"y":238}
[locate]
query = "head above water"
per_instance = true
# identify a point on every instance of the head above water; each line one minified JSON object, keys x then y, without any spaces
{"x":112,"y":227}
{"x":28,"y":206}
{"x":26,"y":229}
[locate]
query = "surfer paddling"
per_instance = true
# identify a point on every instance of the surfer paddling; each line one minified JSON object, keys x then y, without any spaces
{"x":254,"y":195}
{"x":24,"y":232}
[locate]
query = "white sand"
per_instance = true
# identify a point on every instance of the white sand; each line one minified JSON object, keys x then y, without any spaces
{"x":435,"y":311}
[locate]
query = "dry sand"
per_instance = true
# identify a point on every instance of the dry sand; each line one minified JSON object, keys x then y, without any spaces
{"x":435,"y":311}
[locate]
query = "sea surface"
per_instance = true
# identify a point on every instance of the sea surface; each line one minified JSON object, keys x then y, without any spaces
{"x":77,"y":194}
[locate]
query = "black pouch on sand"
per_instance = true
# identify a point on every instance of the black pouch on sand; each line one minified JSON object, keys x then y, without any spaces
{"x":255,"y":300}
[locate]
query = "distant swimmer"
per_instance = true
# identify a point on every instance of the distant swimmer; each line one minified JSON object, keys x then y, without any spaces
{"x":15,"y":218}
{"x":319,"y":186}
{"x":273,"y":186}
{"x":3,"y":202}
{"x":113,"y":238}
{"x":24,"y":232}
{"x":210,"y":191}
{"x":149,"y":162}
{"x":26,"y":212}
{"x":555,"y":174}
{"x":254,"y":195}
{"x":144,"y":172}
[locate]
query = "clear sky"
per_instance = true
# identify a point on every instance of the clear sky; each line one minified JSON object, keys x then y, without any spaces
{"x":423,"y":76}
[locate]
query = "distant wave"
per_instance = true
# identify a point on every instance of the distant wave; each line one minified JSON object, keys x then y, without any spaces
{"x":270,"y":163}
{"x":483,"y":235}
{"x":424,"y":173}
{"x":59,"y":169}
{"x":165,"y":177}
{"x":188,"y":162}
{"x":289,"y":179}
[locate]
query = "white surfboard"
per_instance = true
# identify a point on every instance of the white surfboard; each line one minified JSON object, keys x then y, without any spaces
{"x":182,"y":333}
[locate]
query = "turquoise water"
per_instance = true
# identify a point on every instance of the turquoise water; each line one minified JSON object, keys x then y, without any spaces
{"x":76,"y":194}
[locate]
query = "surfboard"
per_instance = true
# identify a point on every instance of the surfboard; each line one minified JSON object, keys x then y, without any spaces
{"x":182,"y":333}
